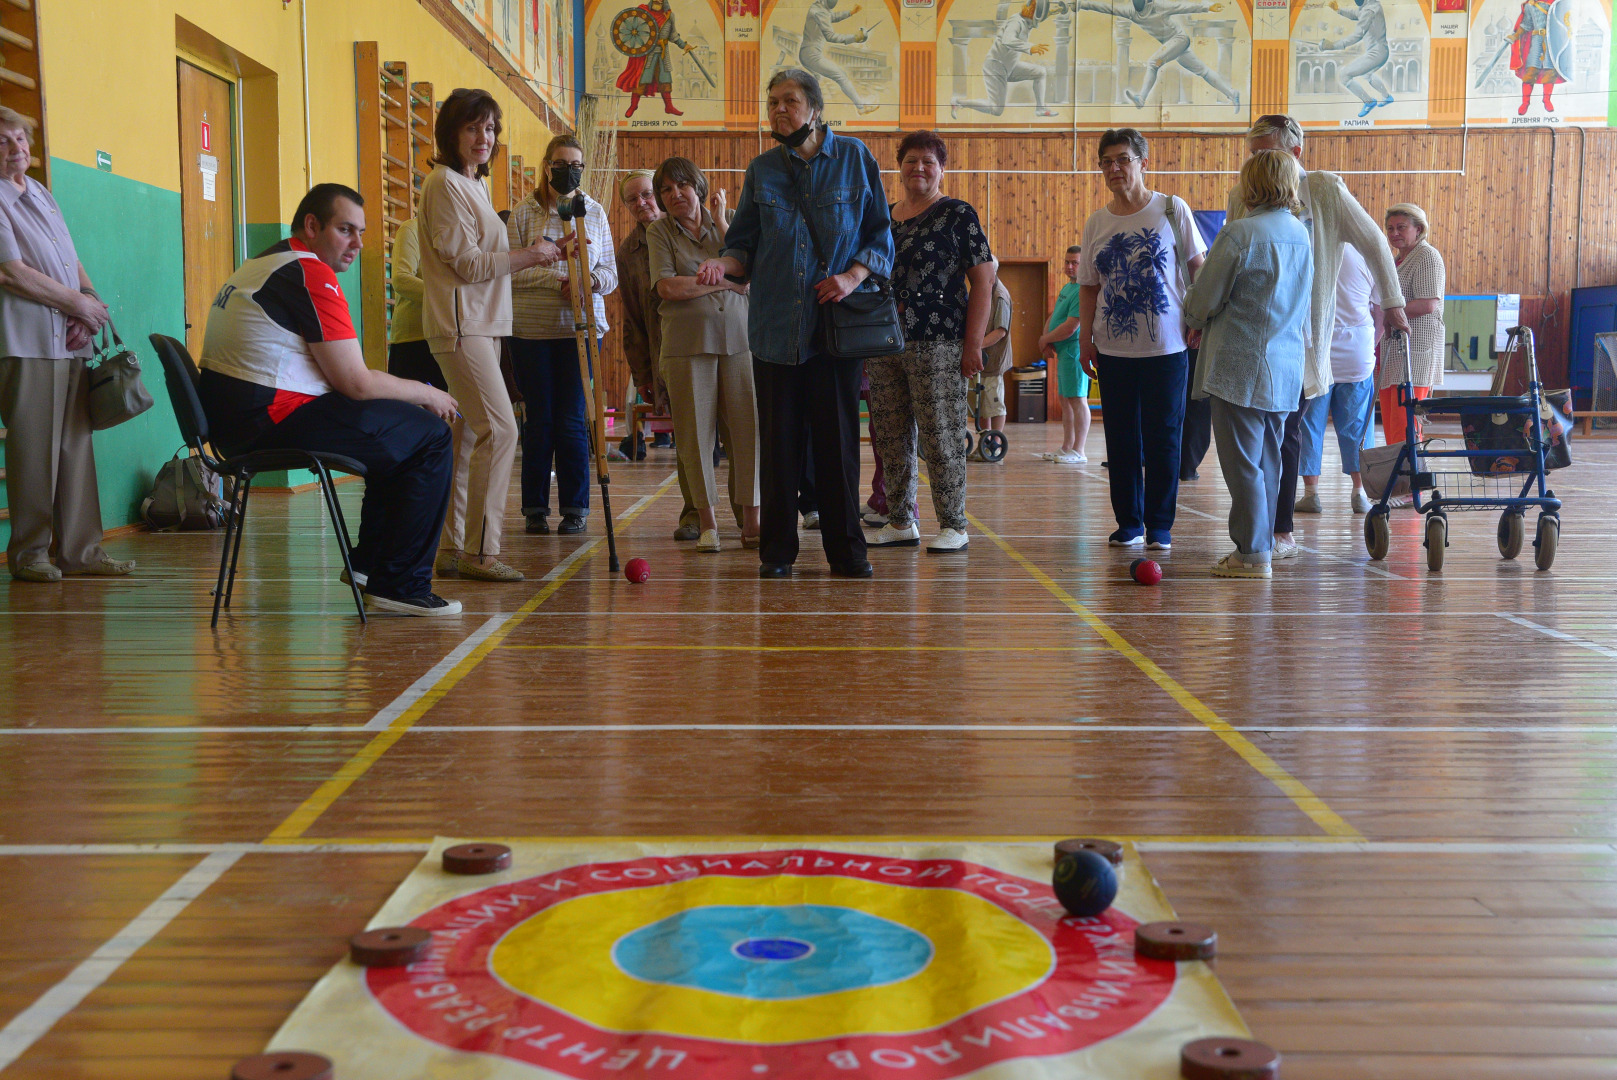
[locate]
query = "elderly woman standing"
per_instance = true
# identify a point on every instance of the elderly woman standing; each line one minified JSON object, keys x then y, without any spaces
{"x":939,"y":247}
{"x":705,"y":358}
{"x":466,"y":263}
{"x":48,"y":314}
{"x":545,"y":345}
{"x":803,"y":390}
{"x":1140,"y":252}
{"x":1419,"y":358}
{"x":1253,"y":298}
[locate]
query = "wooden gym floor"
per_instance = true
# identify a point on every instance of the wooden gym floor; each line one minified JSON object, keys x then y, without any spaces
{"x":1390,"y":790}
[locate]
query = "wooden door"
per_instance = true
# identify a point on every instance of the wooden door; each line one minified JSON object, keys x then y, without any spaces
{"x":1028,"y":284}
{"x":207,"y":193}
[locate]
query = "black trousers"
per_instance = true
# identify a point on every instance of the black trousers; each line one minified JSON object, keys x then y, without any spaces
{"x":1198,"y":431}
{"x":1142,"y":401}
{"x":414,"y":360}
{"x":809,"y":410}
{"x":1291,"y":457}
{"x":409,"y":458}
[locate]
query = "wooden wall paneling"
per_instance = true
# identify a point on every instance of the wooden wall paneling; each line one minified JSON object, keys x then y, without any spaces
{"x":368,"y":104}
{"x":20,"y":85}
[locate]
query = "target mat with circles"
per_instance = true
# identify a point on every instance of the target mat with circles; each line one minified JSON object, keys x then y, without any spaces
{"x":732,"y":961}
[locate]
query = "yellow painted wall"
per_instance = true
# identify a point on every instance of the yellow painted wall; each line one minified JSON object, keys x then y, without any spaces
{"x":109,"y":79}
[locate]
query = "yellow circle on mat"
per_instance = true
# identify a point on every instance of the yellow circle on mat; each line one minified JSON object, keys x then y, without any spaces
{"x":563,"y":958}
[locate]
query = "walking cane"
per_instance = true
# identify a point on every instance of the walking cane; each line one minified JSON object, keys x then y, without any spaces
{"x":571,"y":211}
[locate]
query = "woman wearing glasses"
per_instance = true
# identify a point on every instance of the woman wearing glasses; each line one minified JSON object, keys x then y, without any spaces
{"x":1140,"y":252}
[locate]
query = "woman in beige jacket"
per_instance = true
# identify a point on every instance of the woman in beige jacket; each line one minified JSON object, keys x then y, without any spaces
{"x":466,"y":263}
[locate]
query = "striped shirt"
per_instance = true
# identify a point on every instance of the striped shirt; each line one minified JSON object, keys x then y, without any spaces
{"x":538,"y":311}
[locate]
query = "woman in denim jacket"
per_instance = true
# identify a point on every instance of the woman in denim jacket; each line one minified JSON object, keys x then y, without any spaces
{"x":1252,"y":297}
{"x":808,"y":400}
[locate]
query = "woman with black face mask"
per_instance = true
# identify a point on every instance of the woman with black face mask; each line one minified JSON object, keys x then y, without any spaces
{"x":808,"y":400}
{"x":544,"y":348}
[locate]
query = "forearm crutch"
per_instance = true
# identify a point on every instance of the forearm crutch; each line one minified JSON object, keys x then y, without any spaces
{"x":571,"y":211}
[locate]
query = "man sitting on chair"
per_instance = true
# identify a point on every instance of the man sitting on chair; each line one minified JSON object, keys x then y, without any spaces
{"x":282,"y":369}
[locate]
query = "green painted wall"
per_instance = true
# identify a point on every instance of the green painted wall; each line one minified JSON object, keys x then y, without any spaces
{"x":128,"y":237}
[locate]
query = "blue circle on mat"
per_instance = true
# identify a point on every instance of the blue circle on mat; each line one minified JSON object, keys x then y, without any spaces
{"x":770,"y":952}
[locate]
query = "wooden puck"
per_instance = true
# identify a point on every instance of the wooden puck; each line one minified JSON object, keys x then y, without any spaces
{"x":1109,"y":850}
{"x":1176,"y":941}
{"x":389,"y":946}
{"x":477,"y":859}
{"x":284,"y":1065}
{"x":1228,"y":1059}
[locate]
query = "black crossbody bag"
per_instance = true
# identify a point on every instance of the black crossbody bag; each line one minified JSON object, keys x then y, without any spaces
{"x":862,"y":325}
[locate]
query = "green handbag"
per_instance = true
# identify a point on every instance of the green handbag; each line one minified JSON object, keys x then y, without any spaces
{"x":116,"y":392}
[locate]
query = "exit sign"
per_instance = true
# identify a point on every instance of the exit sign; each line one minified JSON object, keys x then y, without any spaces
{"x":103,"y":161}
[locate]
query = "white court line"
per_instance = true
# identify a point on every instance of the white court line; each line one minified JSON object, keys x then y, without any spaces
{"x":1079,"y":725}
{"x":1559,"y":635}
{"x":419,"y":689}
{"x":28,"y":1026}
{"x":1324,"y":845}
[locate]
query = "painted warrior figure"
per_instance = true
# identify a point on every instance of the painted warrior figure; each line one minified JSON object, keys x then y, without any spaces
{"x":1373,"y":32}
{"x":1164,"y":20}
{"x":1541,"y":48}
{"x":653,"y":73}
{"x":817,"y":34}
{"x":1007,"y":63}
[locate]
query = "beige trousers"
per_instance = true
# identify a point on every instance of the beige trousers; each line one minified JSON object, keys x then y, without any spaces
{"x":687,"y":513}
{"x":485,"y":447}
{"x":50,"y":464}
{"x":703,"y":389}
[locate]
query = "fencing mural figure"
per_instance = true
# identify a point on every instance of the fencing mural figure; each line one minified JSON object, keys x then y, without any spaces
{"x":1165,"y":20}
{"x":643,"y":34}
{"x":817,"y":34}
{"x":1007,"y":64}
{"x":1373,"y":32}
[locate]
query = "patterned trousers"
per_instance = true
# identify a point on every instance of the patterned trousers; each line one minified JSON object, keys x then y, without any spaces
{"x":921,"y":393}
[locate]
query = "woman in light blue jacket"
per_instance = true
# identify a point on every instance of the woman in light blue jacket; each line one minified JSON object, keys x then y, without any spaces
{"x":1252,"y":300}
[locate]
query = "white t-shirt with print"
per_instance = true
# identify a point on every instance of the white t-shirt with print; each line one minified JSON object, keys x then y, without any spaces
{"x":1353,"y":354}
{"x":1134,"y":261}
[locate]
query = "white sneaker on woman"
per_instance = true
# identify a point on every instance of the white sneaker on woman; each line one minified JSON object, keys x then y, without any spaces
{"x":1233,"y":565}
{"x":1361,"y":501}
{"x":948,"y":540}
{"x":708,"y":541}
{"x":1070,"y":457}
{"x":891,"y":536}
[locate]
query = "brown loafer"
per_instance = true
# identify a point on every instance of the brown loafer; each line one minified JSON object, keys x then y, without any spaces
{"x":494,"y":571}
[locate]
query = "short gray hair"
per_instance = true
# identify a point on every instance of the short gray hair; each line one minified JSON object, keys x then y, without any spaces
{"x":12,"y":120}
{"x":1287,"y":133}
{"x":1124,"y":137}
{"x":634,"y":174}
{"x":805,"y":82}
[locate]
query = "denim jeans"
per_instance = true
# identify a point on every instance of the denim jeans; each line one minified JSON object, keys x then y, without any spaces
{"x":1350,"y":406}
{"x":554,"y":427}
{"x":1142,"y":402}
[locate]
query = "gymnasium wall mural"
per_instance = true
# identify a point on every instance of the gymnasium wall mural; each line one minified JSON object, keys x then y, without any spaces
{"x":534,"y":38}
{"x":995,"y":65}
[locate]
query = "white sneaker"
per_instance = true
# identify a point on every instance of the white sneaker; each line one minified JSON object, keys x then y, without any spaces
{"x":1048,"y":455}
{"x":1361,"y":502}
{"x":891,"y":536}
{"x":708,"y":541}
{"x":1308,"y":504}
{"x":811,"y":520}
{"x":1070,"y":457}
{"x":1233,"y":565}
{"x":871,"y":518}
{"x":948,"y":540}
{"x":1284,"y":550}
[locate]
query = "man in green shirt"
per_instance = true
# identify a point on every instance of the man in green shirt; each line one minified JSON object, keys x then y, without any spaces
{"x":1059,"y":343}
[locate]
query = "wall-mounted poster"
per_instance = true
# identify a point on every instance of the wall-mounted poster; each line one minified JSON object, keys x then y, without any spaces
{"x":1359,"y":62}
{"x":1539,"y":62}
{"x":657,"y":62}
{"x":533,"y":39}
{"x":851,"y":45}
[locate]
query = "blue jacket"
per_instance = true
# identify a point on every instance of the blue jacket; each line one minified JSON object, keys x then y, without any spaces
{"x":841,"y":187}
{"x":1252,"y":295}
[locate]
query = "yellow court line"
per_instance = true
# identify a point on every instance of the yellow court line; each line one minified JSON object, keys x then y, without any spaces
{"x":807,"y":648}
{"x":299,"y":821}
{"x":1294,"y":789}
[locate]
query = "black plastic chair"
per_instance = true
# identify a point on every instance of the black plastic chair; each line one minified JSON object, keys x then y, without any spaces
{"x":180,"y":372}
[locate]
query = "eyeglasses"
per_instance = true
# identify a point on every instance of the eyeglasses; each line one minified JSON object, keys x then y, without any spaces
{"x":1121,"y":162}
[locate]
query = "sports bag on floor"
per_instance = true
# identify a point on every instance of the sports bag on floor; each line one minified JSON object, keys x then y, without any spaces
{"x":186,"y":495}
